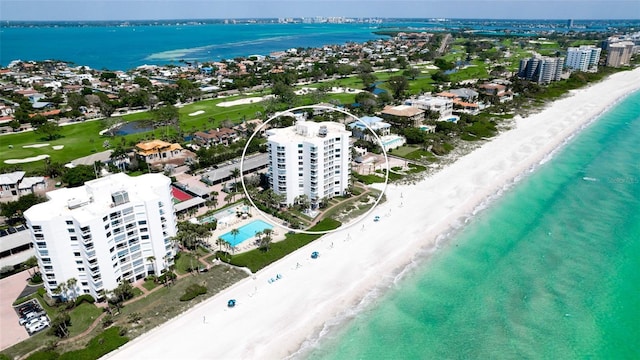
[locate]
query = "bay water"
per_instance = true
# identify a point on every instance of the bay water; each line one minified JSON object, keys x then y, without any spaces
{"x":550,"y":270}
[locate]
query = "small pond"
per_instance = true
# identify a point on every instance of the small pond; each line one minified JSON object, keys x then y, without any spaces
{"x":133,"y":127}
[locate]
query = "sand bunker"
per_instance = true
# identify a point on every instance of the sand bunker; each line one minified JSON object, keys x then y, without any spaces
{"x":197,"y":113}
{"x":35,"y":145}
{"x":241,"y":101}
{"x":58,"y":147}
{"x":26,"y":160}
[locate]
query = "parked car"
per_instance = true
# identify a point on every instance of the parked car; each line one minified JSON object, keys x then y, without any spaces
{"x":27,"y":317}
{"x":37,"y":326}
{"x":35,"y":320}
{"x":27,"y":309}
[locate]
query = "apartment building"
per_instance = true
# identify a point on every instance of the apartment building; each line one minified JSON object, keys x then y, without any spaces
{"x":112,"y":229}
{"x":584,"y":58}
{"x":619,"y":53}
{"x":541,"y":69}
{"x":310,"y":159}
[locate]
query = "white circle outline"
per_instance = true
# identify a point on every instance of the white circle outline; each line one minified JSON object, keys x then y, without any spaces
{"x":341,"y":227}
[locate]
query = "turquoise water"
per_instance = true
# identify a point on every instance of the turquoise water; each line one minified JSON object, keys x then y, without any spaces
{"x":123,"y":48}
{"x":246,"y":232}
{"x":550,"y":271}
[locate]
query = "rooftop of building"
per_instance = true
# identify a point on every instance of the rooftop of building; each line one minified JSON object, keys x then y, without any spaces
{"x":306,"y":130}
{"x":94,"y":198}
{"x":402,"y":110}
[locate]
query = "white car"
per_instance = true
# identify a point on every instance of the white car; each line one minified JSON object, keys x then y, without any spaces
{"x":35,"y":320}
{"x":37,"y":326}
{"x":28,"y":316}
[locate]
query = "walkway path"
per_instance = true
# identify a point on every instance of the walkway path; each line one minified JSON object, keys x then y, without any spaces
{"x":319,"y":216}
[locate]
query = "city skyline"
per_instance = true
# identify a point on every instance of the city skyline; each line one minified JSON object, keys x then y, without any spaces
{"x":90,"y":10}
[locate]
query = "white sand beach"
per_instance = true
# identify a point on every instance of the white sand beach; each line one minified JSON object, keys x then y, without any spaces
{"x":273,"y":320}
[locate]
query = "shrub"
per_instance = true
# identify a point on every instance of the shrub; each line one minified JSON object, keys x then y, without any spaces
{"x":85,"y":298}
{"x":36,"y":278}
{"x":192,"y":291}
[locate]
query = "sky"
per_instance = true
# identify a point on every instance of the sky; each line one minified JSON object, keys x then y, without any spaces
{"x":54,"y":10}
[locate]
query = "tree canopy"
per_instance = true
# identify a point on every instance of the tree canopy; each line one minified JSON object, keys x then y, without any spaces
{"x":78,"y":175}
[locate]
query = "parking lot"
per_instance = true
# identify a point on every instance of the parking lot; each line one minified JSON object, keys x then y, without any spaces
{"x":32,"y":316}
{"x":10,"y":330}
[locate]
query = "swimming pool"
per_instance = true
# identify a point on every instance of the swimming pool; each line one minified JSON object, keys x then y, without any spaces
{"x":245,"y":232}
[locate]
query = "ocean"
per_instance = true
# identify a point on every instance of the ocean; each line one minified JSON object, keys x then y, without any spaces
{"x":550,"y":270}
{"x":126,"y":45}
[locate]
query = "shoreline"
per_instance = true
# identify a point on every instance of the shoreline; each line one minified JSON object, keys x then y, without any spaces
{"x":284,"y":318}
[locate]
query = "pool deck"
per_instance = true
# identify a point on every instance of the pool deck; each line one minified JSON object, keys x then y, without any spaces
{"x":248,"y":244}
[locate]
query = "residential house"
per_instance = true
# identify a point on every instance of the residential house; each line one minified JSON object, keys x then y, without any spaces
{"x":498,"y":90}
{"x":441,"y":105}
{"x":403,"y":115}
{"x":360,"y":131}
{"x":15,"y":184}
{"x":219,"y":136}
{"x":158,"y":151}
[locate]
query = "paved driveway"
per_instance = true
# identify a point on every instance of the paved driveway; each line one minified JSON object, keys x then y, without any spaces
{"x":11,"y":332}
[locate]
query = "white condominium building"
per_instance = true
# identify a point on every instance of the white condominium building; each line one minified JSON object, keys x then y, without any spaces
{"x":310,"y":159}
{"x":110,"y":229}
{"x":584,"y":58}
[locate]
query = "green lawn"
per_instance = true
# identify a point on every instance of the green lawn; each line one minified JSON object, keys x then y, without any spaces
{"x":79,"y":140}
{"x":82,"y":316}
{"x":185,"y":261}
{"x":368,"y":179}
{"x":257,"y":259}
{"x":402,"y":151}
{"x":420,"y":155}
{"x":149,"y":284}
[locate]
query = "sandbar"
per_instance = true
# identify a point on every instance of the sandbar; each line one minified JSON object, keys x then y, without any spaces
{"x":275,"y":320}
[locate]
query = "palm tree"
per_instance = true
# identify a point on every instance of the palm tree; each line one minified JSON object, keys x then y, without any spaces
{"x":235,"y":233}
{"x":228,"y":198}
{"x":266,"y":239}
{"x":71,"y":285}
{"x":61,"y":290}
{"x":235,"y":173}
{"x":151,"y":260}
{"x":220,"y":242}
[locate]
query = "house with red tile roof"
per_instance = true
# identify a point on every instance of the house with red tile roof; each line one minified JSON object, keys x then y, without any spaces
{"x":217,"y":136}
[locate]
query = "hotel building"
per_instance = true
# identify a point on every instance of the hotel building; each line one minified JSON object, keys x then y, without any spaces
{"x":109,"y":230}
{"x":310,"y":159}
{"x":584,"y":58}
